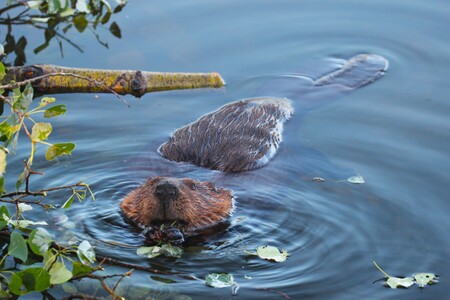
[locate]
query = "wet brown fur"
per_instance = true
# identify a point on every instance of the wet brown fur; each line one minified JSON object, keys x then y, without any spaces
{"x":198,"y":205}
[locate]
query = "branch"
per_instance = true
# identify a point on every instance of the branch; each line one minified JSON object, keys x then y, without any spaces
{"x":44,"y":191}
{"x":49,"y":79}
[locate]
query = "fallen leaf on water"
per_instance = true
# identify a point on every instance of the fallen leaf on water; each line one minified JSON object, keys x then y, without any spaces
{"x":395,"y":282}
{"x":219,"y":280}
{"x":423,"y":279}
{"x":356,"y":179}
{"x":271,"y":253}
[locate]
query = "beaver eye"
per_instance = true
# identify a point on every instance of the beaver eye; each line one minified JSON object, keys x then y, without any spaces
{"x":193,"y":186}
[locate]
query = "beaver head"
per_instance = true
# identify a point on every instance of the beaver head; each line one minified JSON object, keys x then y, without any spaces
{"x":184,"y":203}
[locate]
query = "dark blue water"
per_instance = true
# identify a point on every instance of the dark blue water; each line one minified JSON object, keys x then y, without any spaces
{"x":394,"y":132}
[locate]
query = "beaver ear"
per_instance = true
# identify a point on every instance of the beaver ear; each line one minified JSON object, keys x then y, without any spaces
{"x":212,"y":185}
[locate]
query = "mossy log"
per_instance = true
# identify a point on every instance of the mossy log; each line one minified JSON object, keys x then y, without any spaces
{"x":51,"y":79}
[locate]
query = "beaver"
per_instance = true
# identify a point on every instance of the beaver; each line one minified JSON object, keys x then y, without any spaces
{"x":240,"y":136}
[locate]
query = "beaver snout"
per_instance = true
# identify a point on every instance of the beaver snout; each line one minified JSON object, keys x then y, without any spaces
{"x":166,"y":190}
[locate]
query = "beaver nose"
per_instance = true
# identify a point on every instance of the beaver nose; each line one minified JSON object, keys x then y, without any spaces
{"x":166,"y":190}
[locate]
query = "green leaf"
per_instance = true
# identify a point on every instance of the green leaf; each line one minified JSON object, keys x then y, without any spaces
{"x":395,"y":282}
{"x":423,"y":279}
{"x":172,"y":251}
{"x":33,"y":279}
{"x":21,"y":178}
{"x":23,"y":100}
{"x":4,"y":294}
{"x":69,"y":202}
{"x":82,"y":6}
{"x":115,"y":30}
{"x":219,"y":280}
{"x":2,"y":162}
{"x":59,"y":273}
{"x":23,"y":207}
{"x":80,"y":269}
{"x":40,"y":241}
{"x":58,"y":150}
{"x":40,"y":131}
{"x":86,"y":253}
{"x":46,"y":101}
{"x":80,"y":22}
{"x":7,"y":131}
{"x":40,"y":20}
{"x":18,"y":246}
{"x":106,"y":3}
{"x":2,"y":67}
{"x":68,"y":12}
{"x":55,"y":111}
{"x":163,"y":279}
{"x":34,"y":4}
{"x":271,"y":253}
{"x":149,"y":252}
{"x":166,"y":249}
{"x":356,"y":179}
{"x":2,"y":189}
{"x":25,"y":223}
{"x":4,"y":216}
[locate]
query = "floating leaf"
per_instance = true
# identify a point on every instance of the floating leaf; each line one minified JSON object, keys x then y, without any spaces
{"x":18,"y":246}
{"x":24,"y":207}
{"x":86,"y":253}
{"x":80,"y":269}
{"x":165,"y":249}
{"x":41,"y":131}
{"x":172,"y":251}
{"x":46,"y":101}
{"x":395,"y":282}
{"x":422,"y":279}
{"x":318,"y":179}
{"x":271,"y":253}
{"x":59,"y":273}
{"x":40,"y":241}
{"x":58,"y":150}
{"x":32,"y":279}
{"x":55,"y":111}
{"x":356,"y":179}
{"x":219,"y":280}
{"x":163,"y":279}
{"x":149,"y":252}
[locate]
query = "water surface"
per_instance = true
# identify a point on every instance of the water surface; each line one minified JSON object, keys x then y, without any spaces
{"x":394,"y":132}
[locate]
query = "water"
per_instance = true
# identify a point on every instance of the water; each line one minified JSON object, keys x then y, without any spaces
{"x":394,"y":132}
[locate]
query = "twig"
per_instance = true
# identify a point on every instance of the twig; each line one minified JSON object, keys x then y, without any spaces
{"x":44,"y":191}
